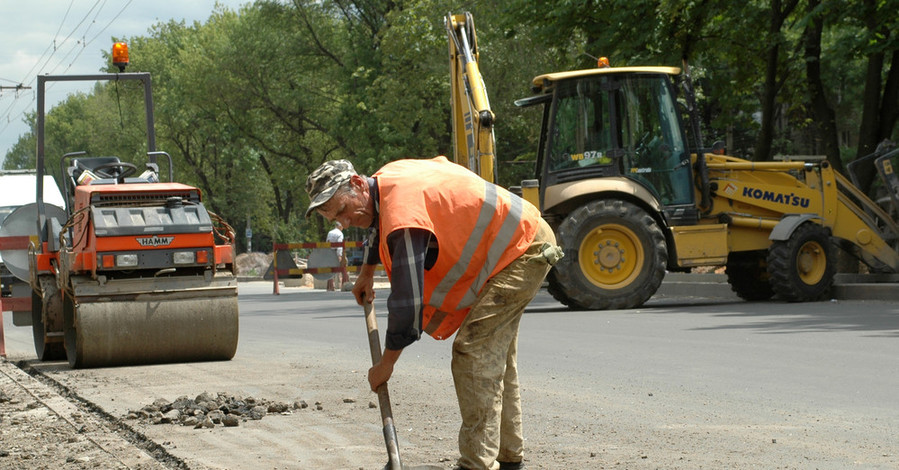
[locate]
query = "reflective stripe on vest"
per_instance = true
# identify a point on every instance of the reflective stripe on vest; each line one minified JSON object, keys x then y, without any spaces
{"x":497,"y":248}
{"x":480,"y":229}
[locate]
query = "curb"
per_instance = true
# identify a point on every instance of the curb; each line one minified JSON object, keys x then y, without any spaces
{"x":846,"y":286}
{"x":82,"y":423}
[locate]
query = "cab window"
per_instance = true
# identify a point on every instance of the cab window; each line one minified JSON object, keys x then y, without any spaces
{"x":581,"y":131}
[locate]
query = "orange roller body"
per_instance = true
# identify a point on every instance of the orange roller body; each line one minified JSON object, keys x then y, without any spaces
{"x":135,"y":269}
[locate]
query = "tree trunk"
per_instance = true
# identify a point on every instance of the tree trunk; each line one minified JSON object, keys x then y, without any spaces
{"x":779,"y":13}
{"x":869,"y":133}
{"x":823,"y":116}
{"x":889,"y":110}
{"x":766,"y":133}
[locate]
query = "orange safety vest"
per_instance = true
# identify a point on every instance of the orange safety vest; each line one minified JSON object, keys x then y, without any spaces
{"x":480,"y":229}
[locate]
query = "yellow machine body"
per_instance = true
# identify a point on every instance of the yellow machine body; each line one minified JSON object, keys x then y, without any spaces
{"x":632,"y":192}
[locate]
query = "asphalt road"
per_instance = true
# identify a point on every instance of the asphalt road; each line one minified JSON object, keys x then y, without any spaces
{"x":684,"y":382}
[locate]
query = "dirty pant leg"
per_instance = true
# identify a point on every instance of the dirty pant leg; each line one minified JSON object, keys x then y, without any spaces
{"x":484,"y":363}
{"x":482,"y":351}
{"x":511,"y":441}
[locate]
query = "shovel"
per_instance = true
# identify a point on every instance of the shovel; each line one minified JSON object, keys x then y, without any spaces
{"x":393,"y":450}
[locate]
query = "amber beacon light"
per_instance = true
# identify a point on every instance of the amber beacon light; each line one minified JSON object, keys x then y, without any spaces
{"x":120,"y":55}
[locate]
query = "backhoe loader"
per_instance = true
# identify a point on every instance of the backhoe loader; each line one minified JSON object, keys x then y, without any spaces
{"x":632,"y":192}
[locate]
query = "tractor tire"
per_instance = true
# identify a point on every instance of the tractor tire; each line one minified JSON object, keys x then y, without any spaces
{"x":47,"y":305}
{"x":802,"y":268}
{"x":615,"y":257}
{"x":747,"y":274}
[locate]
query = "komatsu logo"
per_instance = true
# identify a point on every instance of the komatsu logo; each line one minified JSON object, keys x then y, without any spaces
{"x":155,"y":240}
{"x":790,"y":199}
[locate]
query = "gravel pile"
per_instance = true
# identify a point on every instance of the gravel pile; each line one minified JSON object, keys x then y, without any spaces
{"x":209,"y":410}
{"x":252,"y":264}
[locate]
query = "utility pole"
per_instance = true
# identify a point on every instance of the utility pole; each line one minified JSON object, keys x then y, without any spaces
{"x":18,"y":87}
{"x":249,"y":235}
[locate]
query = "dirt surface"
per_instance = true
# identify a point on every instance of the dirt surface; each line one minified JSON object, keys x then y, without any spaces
{"x":41,"y":429}
{"x":704,"y":387}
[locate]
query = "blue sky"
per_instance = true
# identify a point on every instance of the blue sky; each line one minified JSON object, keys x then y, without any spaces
{"x":69,"y":37}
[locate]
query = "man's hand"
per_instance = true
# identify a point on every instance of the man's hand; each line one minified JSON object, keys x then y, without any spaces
{"x":380,"y":373}
{"x":363,"y":289}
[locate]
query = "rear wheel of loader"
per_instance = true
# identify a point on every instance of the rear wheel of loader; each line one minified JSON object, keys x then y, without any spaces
{"x":802,"y":268}
{"x":615,"y":257}
{"x":747,"y":274}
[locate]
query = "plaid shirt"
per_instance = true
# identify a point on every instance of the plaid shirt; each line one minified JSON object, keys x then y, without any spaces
{"x":412,"y":251}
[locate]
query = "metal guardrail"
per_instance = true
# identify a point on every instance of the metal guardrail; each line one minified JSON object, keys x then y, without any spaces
{"x":13,"y":304}
{"x":2,"y":335}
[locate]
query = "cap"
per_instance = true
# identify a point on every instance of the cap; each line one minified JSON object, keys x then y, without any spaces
{"x":324,"y":181}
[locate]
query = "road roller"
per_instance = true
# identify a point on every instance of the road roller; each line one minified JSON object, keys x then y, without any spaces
{"x":134,"y":269}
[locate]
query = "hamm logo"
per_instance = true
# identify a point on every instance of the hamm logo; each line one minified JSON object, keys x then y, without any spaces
{"x":155,"y":240}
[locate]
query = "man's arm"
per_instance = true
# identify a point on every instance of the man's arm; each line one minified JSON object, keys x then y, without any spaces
{"x":408,"y":252}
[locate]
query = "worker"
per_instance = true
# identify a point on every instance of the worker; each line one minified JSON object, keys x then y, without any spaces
{"x":461,"y":254}
{"x":336,"y":236}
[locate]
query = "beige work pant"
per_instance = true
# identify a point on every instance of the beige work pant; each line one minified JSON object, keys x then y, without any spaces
{"x":485,"y":368}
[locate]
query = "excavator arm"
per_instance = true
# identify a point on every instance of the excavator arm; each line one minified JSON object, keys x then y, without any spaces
{"x":473,"y":120}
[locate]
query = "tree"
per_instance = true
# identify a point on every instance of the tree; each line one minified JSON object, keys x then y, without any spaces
{"x":21,"y":156}
{"x":250,"y":101}
{"x":881,"y":89}
{"x":823,"y":116}
{"x":779,"y":11}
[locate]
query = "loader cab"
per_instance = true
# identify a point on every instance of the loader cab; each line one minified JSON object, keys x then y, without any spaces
{"x":614,"y":122}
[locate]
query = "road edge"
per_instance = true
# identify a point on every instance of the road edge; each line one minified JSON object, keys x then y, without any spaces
{"x":128,"y":446}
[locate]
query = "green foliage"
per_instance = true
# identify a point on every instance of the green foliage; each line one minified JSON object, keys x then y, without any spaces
{"x":250,"y":101}
{"x":22,"y":155}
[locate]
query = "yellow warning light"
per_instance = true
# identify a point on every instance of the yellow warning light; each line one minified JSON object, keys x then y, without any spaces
{"x":120,"y":55}
{"x":602,"y":62}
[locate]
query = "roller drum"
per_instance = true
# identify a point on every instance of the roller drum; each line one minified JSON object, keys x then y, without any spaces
{"x":148,"y":326}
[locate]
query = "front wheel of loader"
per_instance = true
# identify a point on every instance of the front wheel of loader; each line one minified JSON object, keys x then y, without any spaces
{"x":747,"y":274}
{"x":802,"y":268}
{"x":615,"y":257}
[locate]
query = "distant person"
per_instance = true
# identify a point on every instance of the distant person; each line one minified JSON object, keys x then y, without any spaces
{"x":462,"y":254}
{"x":336,"y":236}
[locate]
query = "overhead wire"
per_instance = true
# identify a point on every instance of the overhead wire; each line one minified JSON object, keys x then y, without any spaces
{"x":52,"y":49}
{"x":88,"y":43}
{"x":52,"y":43}
{"x":64,"y":17}
{"x":69,"y":36}
{"x":80,"y":42}
{"x":9,"y":116}
{"x":52,"y":46}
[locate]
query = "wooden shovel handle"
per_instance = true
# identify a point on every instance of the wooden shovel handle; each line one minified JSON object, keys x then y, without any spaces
{"x":390,"y":439}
